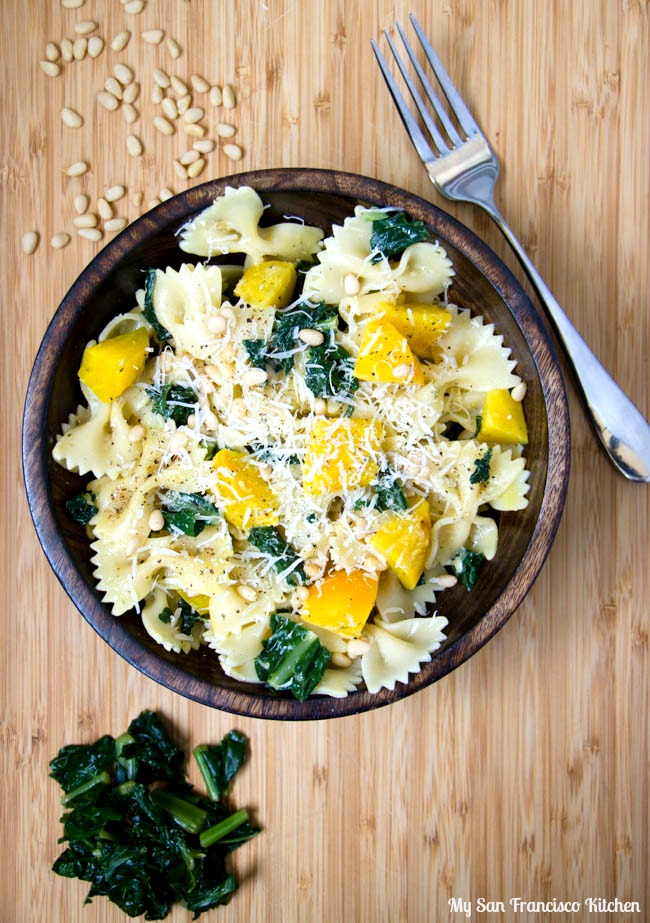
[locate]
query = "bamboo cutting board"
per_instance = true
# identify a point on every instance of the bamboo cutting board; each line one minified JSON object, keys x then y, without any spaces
{"x":524,"y":774}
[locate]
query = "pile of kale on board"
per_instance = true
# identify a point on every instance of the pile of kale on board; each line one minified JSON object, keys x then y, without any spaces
{"x":138,"y":831}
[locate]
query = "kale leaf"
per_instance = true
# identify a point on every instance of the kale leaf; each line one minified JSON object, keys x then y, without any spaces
{"x":78,"y":764}
{"x":388,"y":491}
{"x":392,"y":234}
{"x":466,"y":566}
{"x":219,"y":763}
{"x":292,"y":658}
{"x":329,"y":371}
{"x":148,"y":309}
{"x":256,"y":350}
{"x":281,"y":348}
{"x":173,"y":402}
{"x":81,"y":508}
{"x":157,"y":757}
{"x":188,"y":513}
{"x":269,"y":540}
{"x":481,"y":472}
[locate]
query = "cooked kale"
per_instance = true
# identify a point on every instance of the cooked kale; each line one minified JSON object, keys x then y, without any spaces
{"x":391,"y":235}
{"x":481,"y":472}
{"x":269,"y":540}
{"x":173,"y":402}
{"x":81,"y":508}
{"x":281,"y":347}
{"x":148,"y":309}
{"x":188,"y":513}
{"x":292,"y":658}
{"x":388,"y":491}
{"x":143,"y":837}
{"x":187,"y":616}
{"x":256,"y":350}
{"x":466,"y":566}
{"x":329,"y":371}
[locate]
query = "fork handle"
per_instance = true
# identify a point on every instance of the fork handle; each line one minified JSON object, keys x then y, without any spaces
{"x":623,"y":431}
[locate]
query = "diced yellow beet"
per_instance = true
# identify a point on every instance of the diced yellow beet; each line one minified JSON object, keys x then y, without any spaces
{"x":244,"y":496}
{"x":267,"y":285}
{"x":200,"y":603}
{"x":403,"y":539}
{"x":113,"y":365}
{"x":341,"y":602}
{"x":341,"y":454}
{"x":386,"y":356}
{"x":421,"y":324}
{"x":503,"y":419}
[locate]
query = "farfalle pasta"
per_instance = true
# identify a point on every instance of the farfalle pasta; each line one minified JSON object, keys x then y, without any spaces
{"x":292,"y":456}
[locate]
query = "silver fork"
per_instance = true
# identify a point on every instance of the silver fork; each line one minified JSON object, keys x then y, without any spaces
{"x":462,"y":166}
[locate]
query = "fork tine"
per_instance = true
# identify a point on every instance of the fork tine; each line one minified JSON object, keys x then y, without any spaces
{"x":465,"y":118}
{"x":413,"y":129}
{"x":432,"y":96}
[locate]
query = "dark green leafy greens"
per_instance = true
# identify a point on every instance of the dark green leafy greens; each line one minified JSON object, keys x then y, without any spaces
{"x":280,"y":349}
{"x":268,"y":539}
{"x":173,"y":402}
{"x":466,"y":566}
{"x":292,"y":658}
{"x":187,"y":616}
{"x":81,"y":508}
{"x":329,"y":371}
{"x":481,"y":472}
{"x":148,"y":309}
{"x":388,"y":491}
{"x":138,"y":832}
{"x":188,"y":513}
{"x":392,"y":234}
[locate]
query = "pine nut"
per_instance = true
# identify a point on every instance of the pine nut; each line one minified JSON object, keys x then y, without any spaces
{"x":60,"y":240}
{"x":196,"y":168}
{"x":178,"y":442}
{"x":194,"y":130}
{"x":170,"y":108}
{"x":93,"y":234}
{"x":137,"y":199}
{"x":114,"y":193}
{"x":224,"y":130}
{"x":233,"y":151}
{"x":165,"y":193}
{"x":163,"y":125}
{"x":351,"y":284}
{"x":52,"y":51}
{"x":157,"y":95}
{"x":81,"y":203}
{"x":402,"y":370}
{"x":153,"y":36}
{"x":95,"y":46}
{"x":130,"y":113}
{"x":51,"y":68}
{"x":194,"y":114}
{"x":357,"y":647}
{"x":301,"y":595}
{"x":114,"y":224}
{"x":446,"y":581}
{"x":134,"y":7}
{"x":87,"y":220}
{"x":131,"y":92}
{"x":179,"y":169}
{"x":136,"y":432}
{"x":200,"y":84}
{"x":132,"y":546}
{"x":320,"y":406}
{"x":311,"y":337}
{"x":79,"y":48}
{"x":340,"y":660}
{"x":518,"y":393}
{"x":77,"y":169}
{"x":71,"y":117}
{"x":124,"y":74}
{"x":184,"y":103}
{"x":134,"y":146}
{"x":114,"y":87}
{"x":161,"y":77}
{"x":217,"y":324}
{"x":72,"y":4}
{"x":173,"y":47}
{"x":121,"y":40}
{"x":254,"y":377}
{"x":85,"y":27}
{"x":156,"y":521}
{"x":216,"y":96}
{"x":179,"y":86}
{"x":247,"y":593}
{"x":30,"y":242}
{"x":204,"y":145}
{"x":66,"y":50}
{"x":189,"y":156}
{"x":107,"y":100}
{"x":105,"y":209}
{"x":228,"y":97}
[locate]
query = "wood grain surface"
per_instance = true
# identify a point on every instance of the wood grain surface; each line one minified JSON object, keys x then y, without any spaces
{"x":523,"y":774}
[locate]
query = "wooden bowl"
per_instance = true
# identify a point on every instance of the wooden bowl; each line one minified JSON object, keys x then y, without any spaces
{"x":107,"y":286}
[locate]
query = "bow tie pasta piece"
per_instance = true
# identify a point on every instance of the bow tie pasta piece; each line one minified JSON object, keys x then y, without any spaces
{"x":231,"y":225}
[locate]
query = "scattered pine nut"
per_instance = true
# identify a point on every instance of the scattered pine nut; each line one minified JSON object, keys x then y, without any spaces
{"x":77,"y":169}
{"x":95,"y":46}
{"x":199,"y":83}
{"x":136,"y":432}
{"x":60,"y":240}
{"x":104,"y":208}
{"x":132,"y":546}
{"x":311,"y":337}
{"x":52,"y":52}
{"x":81,"y":203}
{"x":87,"y":220}
{"x":161,"y":77}
{"x":196,"y":168}
{"x":204,"y":145}
{"x":51,"y":68}
{"x":233,"y":151}
{"x":401,"y":371}
{"x":121,"y":40}
{"x":163,"y":125}
{"x":130,"y":113}
{"x":357,"y":647}
{"x":66,"y":50}
{"x":178,"y":86}
{"x":30,"y":242}
{"x":153,"y":36}
{"x":170,"y":108}
{"x":518,"y":393}
{"x":351,"y":284}
{"x":134,"y":146}
{"x":254,"y":377}
{"x":93,"y":234}
{"x":107,"y":100}
{"x":194,"y":129}
{"x":131,"y":92}
{"x":134,"y":7}
{"x":152,"y":203}
{"x":173,"y":47}
{"x":184,"y":103}
{"x":228,"y":97}
{"x":72,"y":4}
{"x":224,"y":130}
{"x":71,"y":117}
{"x":137,"y":198}
{"x":320,"y":406}
{"x":114,"y":224}
{"x":156,"y":521}
{"x":189,"y":157}
{"x":165,"y":193}
{"x":124,"y":74}
{"x":157,"y":95}
{"x":85,"y":27}
{"x":340,"y":660}
{"x":194,"y":114}
{"x":113,"y":85}
{"x":216,"y":96}
{"x":217,"y":324}
{"x":114,"y":193}
{"x":247,"y":593}
{"x":446,"y":581}
{"x":79,"y":48}
{"x":179,"y":169}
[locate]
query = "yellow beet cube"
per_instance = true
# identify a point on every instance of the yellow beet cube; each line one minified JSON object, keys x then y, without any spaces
{"x":267,"y":285}
{"x":503,"y":419}
{"x":110,"y":367}
{"x":341,"y":602}
{"x":341,"y":454}
{"x":386,"y":356}
{"x":403,"y":539}
{"x":200,"y":603}
{"x":421,"y":324}
{"x":244,"y":496}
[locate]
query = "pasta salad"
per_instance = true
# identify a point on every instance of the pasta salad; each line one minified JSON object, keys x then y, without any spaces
{"x":290,"y":458}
